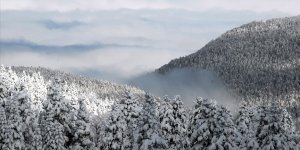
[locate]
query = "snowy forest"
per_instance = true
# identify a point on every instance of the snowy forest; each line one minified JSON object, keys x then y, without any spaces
{"x":44,"y":109}
{"x":258,"y":62}
{"x":240,"y":91}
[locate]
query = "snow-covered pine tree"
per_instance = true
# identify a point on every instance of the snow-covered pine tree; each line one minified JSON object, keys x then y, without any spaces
{"x":5,"y":135}
{"x":148,"y":134}
{"x":243,"y":126}
{"x":225,"y":135}
{"x":201,"y":125}
{"x":165,"y":118}
{"x":212,"y":127}
{"x":53,"y":137}
{"x":243,"y":119}
{"x":15,"y":124}
{"x":114,"y":131}
{"x":272,"y":133}
{"x":99,"y":118}
{"x":174,"y":124}
{"x":58,"y":110}
{"x":165,"y":105}
{"x":72,"y":95}
{"x":297,"y":137}
{"x":8,"y":80}
{"x":83,"y":137}
{"x":182,"y":122}
{"x":38,"y":91}
{"x":122,"y":123}
{"x":12,"y":74}
{"x":131,"y":110}
{"x":287,"y":120}
{"x":36,"y":138}
{"x":29,"y":117}
{"x":256,"y":114}
{"x":99,"y":125}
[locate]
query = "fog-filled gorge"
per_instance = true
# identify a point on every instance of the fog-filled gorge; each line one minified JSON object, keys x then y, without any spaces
{"x":188,"y":83}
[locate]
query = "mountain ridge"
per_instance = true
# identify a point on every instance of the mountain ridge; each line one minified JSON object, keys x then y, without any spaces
{"x":259,"y":62}
{"x":258,"y":49}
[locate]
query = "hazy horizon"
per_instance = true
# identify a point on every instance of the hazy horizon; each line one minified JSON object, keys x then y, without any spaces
{"x":120,"y":39}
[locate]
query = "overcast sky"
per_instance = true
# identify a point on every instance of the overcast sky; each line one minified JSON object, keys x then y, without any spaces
{"x":287,"y":6}
{"x":120,"y":38}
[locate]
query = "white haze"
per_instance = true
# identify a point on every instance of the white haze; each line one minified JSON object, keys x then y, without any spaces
{"x":189,"y":84}
{"x":113,"y":44}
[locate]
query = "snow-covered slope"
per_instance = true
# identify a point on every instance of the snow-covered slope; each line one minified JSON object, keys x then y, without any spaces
{"x":100,"y":96}
{"x":65,"y":113}
{"x":104,"y":89}
{"x":259,"y":60}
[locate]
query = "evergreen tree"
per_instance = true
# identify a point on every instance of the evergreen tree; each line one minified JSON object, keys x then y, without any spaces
{"x":131,"y":110}
{"x":174,"y":124}
{"x":244,"y":127}
{"x":166,"y":118}
{"x":58,"y":110}
{"x":53,"y":136}
{"x":8,"y":80}
{"x":297,"y":137}
{"x":243,"y":120}
{"x":33,"y":133}
{"x":36,"y":139}
{"x":123,"y":119}
{"x":99,"y":125}
{"x":165,"y":106}
{"x":272,"y":133}
{"x":225,"y":135}
{"x":114,"y":131}
{"x":27,"y":115}
{"x":148,"y":134}
{"x":5,"y":135}
{"x":287,"y":120}
{"x":15,"y":124}
{"x":38,"y":92}
{"x":81,"y":131}
{"x":212,"y":127}
{"x":72,"y":96}
{"x":202,"y":124}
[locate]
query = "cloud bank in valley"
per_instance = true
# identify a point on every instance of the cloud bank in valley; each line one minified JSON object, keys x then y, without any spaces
{"x":106,"y":42}
{"x":189,"y":84}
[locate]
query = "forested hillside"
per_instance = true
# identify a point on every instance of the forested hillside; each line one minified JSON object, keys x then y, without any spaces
{"x":64,"y":112}
{"x":259,"y":62}
{"x":103,"y":89}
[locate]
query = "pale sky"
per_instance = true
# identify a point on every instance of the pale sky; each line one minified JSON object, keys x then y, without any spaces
{"x":120,"y":37}
{"x":286,"y":6}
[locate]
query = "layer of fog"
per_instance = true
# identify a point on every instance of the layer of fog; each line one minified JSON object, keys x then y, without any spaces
{"x":187,"y":83}
{"x":113,"y":63}
{"x":170,"y":29}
